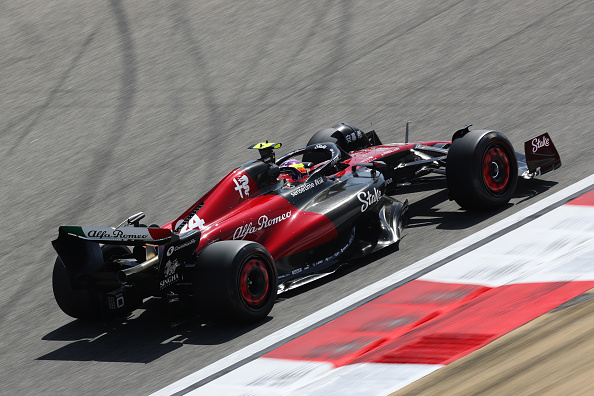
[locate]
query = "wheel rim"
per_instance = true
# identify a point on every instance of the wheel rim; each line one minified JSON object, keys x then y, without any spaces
{"x":496,"y":169}
{"x":254,"y":282}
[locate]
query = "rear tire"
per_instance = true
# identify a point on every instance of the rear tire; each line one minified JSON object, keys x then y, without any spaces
{"x":84,"y":303}
{"x":235,"y":281}
{"x":481,"y":170}
{"x":78,"y":303}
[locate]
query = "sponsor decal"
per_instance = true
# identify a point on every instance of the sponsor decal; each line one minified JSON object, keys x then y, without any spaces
{"x":99,"y":234}
{"x":242,"y":186}
{"x":171,"y":276}
{"x":339,"y":252}
{"x":169,"y":281}
{"x":263,"y":222}
{"x":321,"y":146}
{"x":170,"y":267}
{"x":389,"y":181}
{"x":306,"y":186}
{"x":539,"y":143}
{"x":390,"y":151}
{"x":178,"y":247}
{"x":334,"y":159}
{"x":351,"y":137}
{"x":367,"y":159}
{"x":110,"y":233}
{"x":368,"y":198}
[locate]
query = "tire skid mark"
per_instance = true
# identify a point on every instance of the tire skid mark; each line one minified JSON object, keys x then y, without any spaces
{"x":321,"y":13}
{"x":182,"y":25}
{"x":340,"y":40}
{"x":314,"y":78}
{"x":32,"y":117}
{"x":101,"y":160}
{"x":438,"y":76}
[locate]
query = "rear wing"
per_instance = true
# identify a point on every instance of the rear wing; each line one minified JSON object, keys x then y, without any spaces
{"x":541,"y":156}
{"x":79,"y":246}
{"x":79,"y":249}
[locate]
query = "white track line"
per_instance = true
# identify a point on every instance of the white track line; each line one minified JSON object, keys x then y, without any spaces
{"x":341,"y":305}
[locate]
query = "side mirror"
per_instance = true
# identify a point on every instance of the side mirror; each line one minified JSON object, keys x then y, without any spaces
{"x":133,"y":220}
{"x":375,"y":166}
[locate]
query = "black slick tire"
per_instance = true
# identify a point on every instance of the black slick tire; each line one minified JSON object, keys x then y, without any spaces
{"x":84,"y":302}
{"x":235,"y":281}
{"x":75,"y":303}
{"x":481,"y":170}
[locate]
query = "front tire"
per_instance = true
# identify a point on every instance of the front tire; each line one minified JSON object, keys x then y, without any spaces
{"x":481,"y":170}
{"x":235,"y":281}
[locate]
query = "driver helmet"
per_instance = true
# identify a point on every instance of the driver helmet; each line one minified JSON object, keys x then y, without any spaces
{"x":295,"y":170}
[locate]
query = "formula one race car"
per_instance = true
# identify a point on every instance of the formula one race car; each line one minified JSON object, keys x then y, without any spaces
{"x":274,"y":224}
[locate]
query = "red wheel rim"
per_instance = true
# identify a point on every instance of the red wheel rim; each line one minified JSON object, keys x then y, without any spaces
{"x":254,"y":282}
{"x":496,"y":169}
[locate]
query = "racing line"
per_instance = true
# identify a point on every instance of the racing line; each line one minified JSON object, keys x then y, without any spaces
{"x":427,"y":315}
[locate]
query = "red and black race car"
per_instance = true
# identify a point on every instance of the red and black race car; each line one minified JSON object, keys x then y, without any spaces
{"x":273,"y":224}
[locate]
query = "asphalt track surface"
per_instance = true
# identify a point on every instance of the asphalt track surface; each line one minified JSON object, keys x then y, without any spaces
{"x":112,"y":107}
